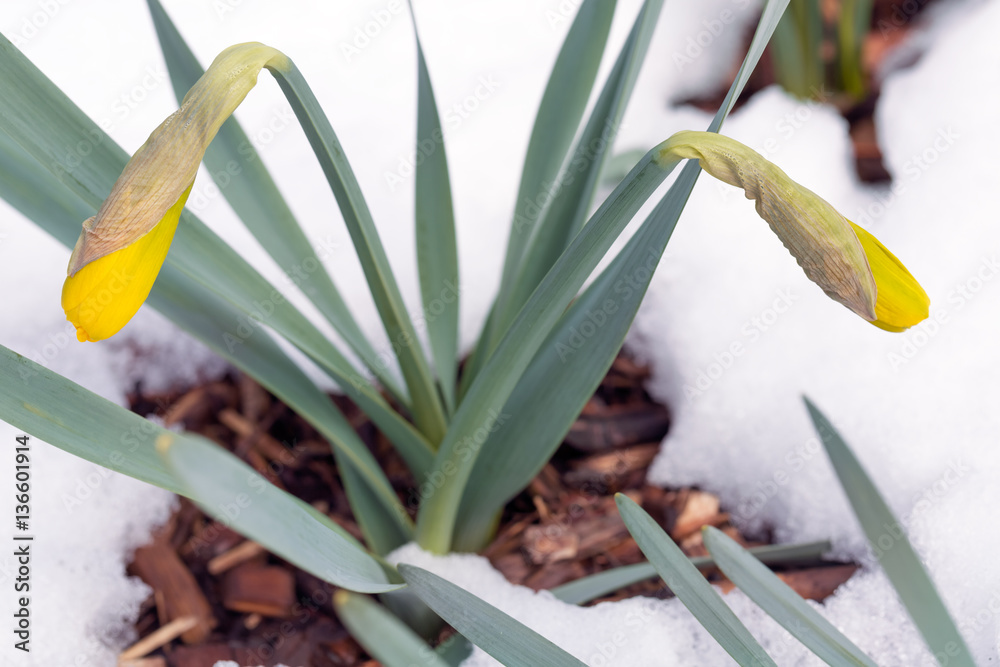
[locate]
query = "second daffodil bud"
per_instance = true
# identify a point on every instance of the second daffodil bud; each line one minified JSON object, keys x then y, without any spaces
{"x":121,"y":249}
{"x":847,"y":262}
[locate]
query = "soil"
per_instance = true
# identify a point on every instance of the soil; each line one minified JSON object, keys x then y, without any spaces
{"x":247,"y":605}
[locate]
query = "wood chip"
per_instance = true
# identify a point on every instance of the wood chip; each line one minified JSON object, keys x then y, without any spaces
{"x":254,"y":589}
{"x":701,"y":509}
{"x":158,"y":638}
{"x":160,"y":567}
{"x":238,"y":554}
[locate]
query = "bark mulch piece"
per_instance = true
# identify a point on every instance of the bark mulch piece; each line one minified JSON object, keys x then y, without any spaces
{"x":218,"y":596}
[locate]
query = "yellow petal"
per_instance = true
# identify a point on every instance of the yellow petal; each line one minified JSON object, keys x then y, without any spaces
{"x":901,"y":301}
{"x":102,"y":297}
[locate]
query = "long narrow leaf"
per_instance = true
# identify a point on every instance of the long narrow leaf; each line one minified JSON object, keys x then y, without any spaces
{"x":480,"y":410}
{"x":235,"y":494}
{"x":597,"y":585}
{"x":437,"y":253}
{"x":428,"y":411}
{"x":901,"y":563}
{"x":556,"y":122}
{"x":202,"y":313}
{"x":245,"y":182}
{"x":506,"y":639}
{"x":570,"y":203}
{"x":690,"y":587}
{"x":51,"y":129}
{"x":93,"y":428}
{"x":797,"y":49}
{"x":384,"y":636}
{"x":782,"y":603}
{"x":581,"y":347}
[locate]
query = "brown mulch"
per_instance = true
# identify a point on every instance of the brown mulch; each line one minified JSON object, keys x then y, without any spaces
{"x":220,"y":597}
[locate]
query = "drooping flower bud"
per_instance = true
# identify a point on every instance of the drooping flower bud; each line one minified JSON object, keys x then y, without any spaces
{"x":121,"y":249}
{"x":847,"y":262}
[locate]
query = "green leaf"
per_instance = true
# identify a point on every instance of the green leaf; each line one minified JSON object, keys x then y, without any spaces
{"x":507,"y":640}
{"x":384,"y":526}
{"x":65,"y":415}
{"x":901,"y":563}
{"x":597,"y":585}
{"x":782,"y":603}
{"x":852,"y":27}
{"x":480,"y":410}
{"x":235,"y":494}
{"x":797,"y":48}
{"x":385,"y":637}
{"x":437,"y":253}
{"x":34,"y":191}
{"x":49,"y":128}
{"x":540,"y":418}
{"x":570,"y":203}
{"x":247,"y":185}
{"x":690,"y":587}
{"x":562,"y":106}
{"x":428,"y":411}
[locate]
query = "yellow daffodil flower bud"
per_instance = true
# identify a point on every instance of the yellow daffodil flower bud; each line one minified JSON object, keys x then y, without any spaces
{"x":121,"y":249}
{"x":847,"y":262}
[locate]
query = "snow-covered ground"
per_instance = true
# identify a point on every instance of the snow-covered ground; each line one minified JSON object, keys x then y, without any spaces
{"x":916,"y":406}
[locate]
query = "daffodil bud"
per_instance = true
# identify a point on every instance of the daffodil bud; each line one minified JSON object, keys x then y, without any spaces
{"x":847,"y":262}
{"x":121,"y":249}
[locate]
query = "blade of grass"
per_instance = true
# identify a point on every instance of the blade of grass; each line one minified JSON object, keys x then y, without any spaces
{"x":571,"y":200}
{"x":428,"y":411}
{"x":480,"y":411}
{"x":782,"y":603}
{"x":539,"y":419}
{"x":852,"y":26}
{"x":504,"y":638}
{"x":797,"y":47}
{"x":690,"y":587}
{"x":591,"y":587}
{"x":437,"y":253}
{"x":245,"y":182}
{"x":559,"y":113}
{"x":35,"y":192}
{"x":234,"y":493}
{"x":46,"y":125}
{"x":385,"y":637}
{"x":901,"y":563}
{"x":93,"y":428}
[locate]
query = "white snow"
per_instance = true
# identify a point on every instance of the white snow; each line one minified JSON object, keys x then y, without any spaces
{"x":920,"y":420}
